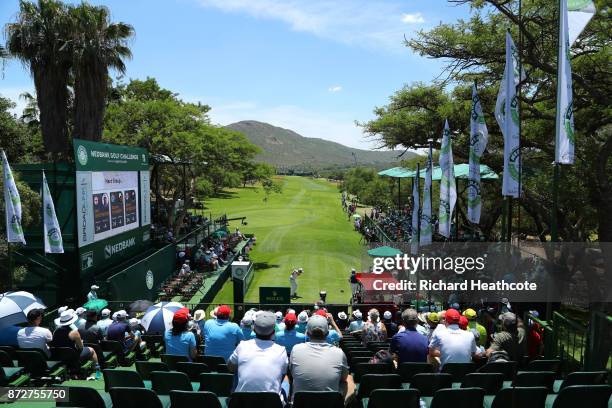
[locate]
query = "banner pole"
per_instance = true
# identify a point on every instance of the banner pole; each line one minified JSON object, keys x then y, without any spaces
{"x":554,"y":234}
{"x":504,"y":218}
{"x":509,"y":223}
{"x":457,"y":210}
{"x":418,"y":181}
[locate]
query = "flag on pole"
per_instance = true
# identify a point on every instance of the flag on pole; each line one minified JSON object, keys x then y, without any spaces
{"x":479,"y":136}
{"x":448,"y":190}
{"x":508,"y":120}
{"x":51,"y":228}
{"x":564,"y":126}
{"x":12,"y":202}
{"x":579,"y":13}
{"x":416,"y":207}
{"x":426,"y":227}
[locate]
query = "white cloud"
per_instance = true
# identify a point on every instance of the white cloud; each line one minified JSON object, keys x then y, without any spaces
{"x":414,"y":18}
{"x":335,"y":88}
{"x":13,"y":93}
{"x":372,"y":24}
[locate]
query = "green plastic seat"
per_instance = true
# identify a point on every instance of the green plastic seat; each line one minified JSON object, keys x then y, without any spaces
{"x":171,"y":360}
{"x":318,"y":399}
{"x":585,"y":378}
{"x":429,"y":383}
{"x":458,"y":370}
{"x":544,"y":365}
{"x":193,"y":370}
{"x":592,"y":396}
{"x":407,"y":370}
{"x":145,"y":368}
{"x":190,"y":399}
{"x":121,"y":378}
{"x":507,"y":368}
{"x":5,"y":359}
{"x":362,"y":369}
{"x":491,"y":383}
{"x":165,"y":381}
{"x":536,"y":379}
{"x":371,"y":382}
{"x":128,"y":397}
{"x":255,"y":399}
{"x":37,"y":366}
{"x":219,"y":383}
{"x":384,"y":398}
{"x":520,"y":397}
{"x":458,"y":398}
{"x":13,"y":377}
{"x":85,"y":397}
{"x":124,"y":359}
{"x":212,"y":361}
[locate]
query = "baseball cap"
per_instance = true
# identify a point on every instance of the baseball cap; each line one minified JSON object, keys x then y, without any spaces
{"x":321,"y":312}
{"x":80,"y":311}
{"x":357,"y":314}
{"x":387,"y":315}
{"x":410,"y":315}
{"x":433,"y":317}
{"x":463,"y":322}
{"x":508,"y":319}
{"x":302,"y":317}
{"x":279,"y":316}
{"x":317,"y":322}
{"x":264,"y":324}
{"x":181,"y":316}
{"x":95,"y":287}
{"x":121,"y":314}
{"x":470,"y":314}
{"x":290,"y":318}
{"x":452,"y":316}
{"x":223,"y":312}
{"x":105,"y":312}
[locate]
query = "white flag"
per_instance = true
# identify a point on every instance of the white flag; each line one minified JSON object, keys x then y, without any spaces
{"x":579,"y":13}
{"x":51,"y":228}
{"x":416,"y":207}
{"x":448,"y":190}
{"x":509,"y":123}
{"x":426,"y":227}
{"x":479,"y":136}
{"x":501,"y":94}
{"x":12,"y":202}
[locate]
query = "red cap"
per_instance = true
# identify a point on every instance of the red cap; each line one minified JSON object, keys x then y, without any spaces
{"x":291,"y":317}
{"x":463,"y":323}
{"x":321,"y":312}
{"x":224,"y":311}
{"x":181,"y":316}
{"x":452,"y":316}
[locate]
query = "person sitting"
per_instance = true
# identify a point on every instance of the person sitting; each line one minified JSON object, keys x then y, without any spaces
{"x":180,"y":341}
{"x":90,"y":331}
{"x":390,"y":325}
{"x":66,"y":336}
{"x":342,"y":321}
{"x":453,"y":345}
{"x":120,"y":331}
{"x":506,"y":344}
{"x":35,"y":336}
{"x":260,"y":364}
{"x":317,"y":365}
{"x":136,"y":330}
{"x":302,"y":322}
{"x":409,"y":345}
{"x":220,"y":335}
{"x":373,"y":329}
{"x":357,"y":324}
{"x":80,"y":312}
{"x":105,"y":321}
{"x":288,"y":337}
{"x":471,"y":315}
{"x":246,"y":325}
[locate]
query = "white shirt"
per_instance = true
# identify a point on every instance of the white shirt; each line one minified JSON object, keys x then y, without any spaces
{"x":455,"y":345}
{"x":92,"y":295}
{"x":103,"y":324}
{"x":293,"y":275}
{"x":35,"y":337}
{"x":262,"y":365}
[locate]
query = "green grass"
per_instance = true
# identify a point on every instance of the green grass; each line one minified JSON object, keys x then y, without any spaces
{"x":302,"y":227}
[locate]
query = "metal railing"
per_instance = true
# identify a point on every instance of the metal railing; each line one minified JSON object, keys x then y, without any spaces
{"x":381,"y":236}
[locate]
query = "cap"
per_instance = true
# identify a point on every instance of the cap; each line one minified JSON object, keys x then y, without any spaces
{"x":300,"y":270}
{"x":223,"y":311}
{"x":317,"y":322}
{"x":357,"y":314}
{"x":247,"y":319}
{"x":353,"y":270}
{"x":433,"y":317}
{"x":505,"y":301}
{"x":321,"y":312}
{"x":134,"y":321}
{"x":508,"y":319}
{"x":264,"y":324}
{"x":455,"y":306}
{"x":452,"y":316}
{"x":303,"y":317}
{"x":463,"y":322}
{"x":342,"y":316}
{"x":105,"y":312}
{"x":279,"y":316}
{"x":290,"y":318}
{"x":199,"y":315}
{"x":95,"y":287}
{"x":80,"y":311}
{"x":410,"y":315}
{"x":181,"y":316}
{"x":470,"y":314}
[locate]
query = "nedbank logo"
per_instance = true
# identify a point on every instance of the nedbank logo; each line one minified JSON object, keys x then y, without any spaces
{"x":110,"y":250}
{"x":82,"y":155}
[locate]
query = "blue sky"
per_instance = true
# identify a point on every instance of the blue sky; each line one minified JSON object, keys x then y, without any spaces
{"x":312,"y":66}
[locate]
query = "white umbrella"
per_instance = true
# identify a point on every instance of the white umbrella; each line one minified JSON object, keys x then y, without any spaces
{"x":14,"y":307}
{"x":158,"y":318}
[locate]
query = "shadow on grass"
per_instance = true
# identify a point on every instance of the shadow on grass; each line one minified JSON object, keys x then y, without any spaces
{"x":264,"y":265}
{"x":224,"y":194}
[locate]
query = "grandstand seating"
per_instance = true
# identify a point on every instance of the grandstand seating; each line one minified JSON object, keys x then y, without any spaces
{"x":319,"y":399}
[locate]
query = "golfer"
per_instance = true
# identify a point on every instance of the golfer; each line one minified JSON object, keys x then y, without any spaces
{"x":293,"y":281}
{"x":354,"y":282}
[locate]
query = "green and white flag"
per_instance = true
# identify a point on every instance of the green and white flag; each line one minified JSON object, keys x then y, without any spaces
{"x":12,"y":201}
{"x":426,"y":226}
{"x":507,"y":115}
{"x":479,"y":136}
{"x":416,"y":209}
{"x":579,"y":13}
{"x":448,"y":190}
{"x":51,"y":228}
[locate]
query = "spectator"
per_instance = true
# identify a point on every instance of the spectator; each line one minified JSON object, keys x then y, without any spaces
{"x":288,"y":337}
{"x":453,"y":344}
{"x":246,"y":325}
{"x":93,"y":294}
{"x":334,"y":334}
{"x":389,"y":324}
{"x":357,"y":324}
{"x":474,"y":325}
{"x":80,"y":312}
{"x":260,"y":363}
{"x":409,"y":345}
{"x":373,"y":329}
{"x":60,"y":310}
{"x":220,"y":335}
{"x":432,"y":323}
{"x":342,"y":321}
{"x":316,"y":365}
{"x":199,"y":319}
{"x":279,"y":322}
{"x":463,"y":323}
{"x":35,"y":336}
{"x":90,"y":331}
{"x":66,"y":336}
{"x":302,"y":322}
{"x":535,"y":338}
{"x":441,"y":324}
{"x":120,"y":331}
{"x":506,"y":344}
{"x":180,"y":341}
{"x":105,"y":321}
{"x":136,"y":327}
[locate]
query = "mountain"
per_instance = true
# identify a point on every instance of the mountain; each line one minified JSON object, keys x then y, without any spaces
{"x":286,"y":149}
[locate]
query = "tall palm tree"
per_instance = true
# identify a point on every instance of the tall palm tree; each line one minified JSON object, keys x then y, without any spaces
{"x":40,"y":38}
{"x":99,"y":45}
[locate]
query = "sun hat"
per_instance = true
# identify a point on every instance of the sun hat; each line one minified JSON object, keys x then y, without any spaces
{"x":342,"y":316}
{"x":387,"y":315}
{"x":357,"y":314}
{"x":302,"y":317}
{"x":470,"y":314}
{"x":452,"y":316}
{"x":264,"y":324}
{"x":105,"y":312}
{"x":317,"y":322}
{"x":66,"y":318}
{"x":199,"y":315}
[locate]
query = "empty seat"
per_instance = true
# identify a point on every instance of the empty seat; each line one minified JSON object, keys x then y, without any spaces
{"x":544,"y":365}
{"x":520,"y":397}
{"x":124,"y":359}
{"x":219,"y":383}
{"x":5,"y":359}
{"x":121,"y":378}
{"x":318,"y":399}
{"x":458,"y":370}
{"x":367,"y":368}
{"x":458,"y":398}
{"x":593,"y":396}
{"x":407,"y":370}
{"x":358,"y":360}
{"x":85,"y":397}
{"x":34,"y":362}
{"x":536,"y":379}
{"x":127,"y":397}
{"x":359,"y":353}
{"x":163,"y":382}
{"x":371,"y":382}
{"x":383,"y":398}
{"x":212,"y":361}
{"x":585,"y":378}
{"x":145,"y":368}
{"x":491,"y":383}
{"x":507,"y":368}
{"x":193,"y":370}
{"x":429,"y":383}
{"x":190,"y":399}
{"x":255,"y":399}
{"x":171,"y":360}
{"x":13,"y":377}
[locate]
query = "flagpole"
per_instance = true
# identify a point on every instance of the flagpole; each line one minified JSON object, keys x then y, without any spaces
{"x":399,"y":205}
{"x":520,"y":116}
{"x":457,"y":210}
{"x":554,"y":228}
{"x":418,"y":185}
{"x":10,"y":266}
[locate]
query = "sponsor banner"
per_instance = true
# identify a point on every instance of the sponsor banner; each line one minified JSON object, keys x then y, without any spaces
{"x":114,"y":249}
{"x":145,"y":198}
{"x":12,"y":201}
{"x":51,"y":228}
{"x":93,"y":156}
{"x":85,"y":209}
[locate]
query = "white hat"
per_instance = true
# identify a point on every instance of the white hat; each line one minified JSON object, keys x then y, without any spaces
{"x":290,"y":311}
{"x":66,"y":318}
{"x":80,"y":311}
{"x":342,"y":316}
{"x":303,"y":317}
{"x":279,"y":316}
{"x":62,"y":309}
{"x":114,"y":316}
{"x":199,"y":315}
{"x":121,"y":314}
{"x":95,"y":287}
{"x":387,"y":315}
{"x":187,"y":261}
{"x":247,"y":319}
{"x":353,"y":270}
{"x":357,"y":314}
{"x":105,"y":312}
{"x":134,"y":322}
{"x":300,"y":270}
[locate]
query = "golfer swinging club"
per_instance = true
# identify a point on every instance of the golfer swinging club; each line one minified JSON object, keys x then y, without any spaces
{"x":293,"y":281}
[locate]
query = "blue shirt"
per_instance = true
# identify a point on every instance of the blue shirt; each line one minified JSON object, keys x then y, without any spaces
{"x":301,"y":327}
{"x":8,"y":336}
{"x":355,"y":325}
{"x":289,"y":338}
{"x":247,"y":333}
{"x":181,"y":344}
{"x":410,"y":346}
{"x":221,"y":337}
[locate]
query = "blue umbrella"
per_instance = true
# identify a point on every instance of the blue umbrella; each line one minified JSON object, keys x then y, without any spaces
{"x":14,"y":307}
{"x":158,"y":318}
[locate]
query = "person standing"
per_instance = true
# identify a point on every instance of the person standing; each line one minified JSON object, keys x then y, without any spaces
{"x":409,"y":345}
{"x":354,"y":283}
{"x":93,"y":294}
{"x":293,"y":282}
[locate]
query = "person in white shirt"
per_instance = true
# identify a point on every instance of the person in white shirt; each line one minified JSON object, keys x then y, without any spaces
{"x":293,"y":281}
{"x":35,"y":336}
{"x":453,"y":345}
{"x":93,"y":295}
{"x":105,"y":321}
{"x":80,"y":312}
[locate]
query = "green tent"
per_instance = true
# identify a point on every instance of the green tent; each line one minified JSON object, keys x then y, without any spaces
{"x":384,"y":252}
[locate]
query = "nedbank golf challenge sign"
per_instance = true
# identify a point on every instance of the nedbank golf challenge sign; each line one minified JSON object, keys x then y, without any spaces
{"x":113,"y":201}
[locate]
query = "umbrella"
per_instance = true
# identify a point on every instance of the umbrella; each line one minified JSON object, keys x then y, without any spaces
{"x":139,"y":306}
{"x":96,"y":304}
{"x":158,"y":318}
{"x":356,"y":216}
{"x":14,"y":307}
{"x":219,"y":234}
{"x":384,"y":252}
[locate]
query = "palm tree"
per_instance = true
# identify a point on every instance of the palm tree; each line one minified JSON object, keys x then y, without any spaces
{"x":40,"y":38}
{"x":98,"y":46}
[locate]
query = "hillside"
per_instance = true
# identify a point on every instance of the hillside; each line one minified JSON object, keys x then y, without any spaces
{"x":286,"y":149}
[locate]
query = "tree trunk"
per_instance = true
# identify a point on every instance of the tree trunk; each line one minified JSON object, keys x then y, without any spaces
{"x":90,"y":88}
